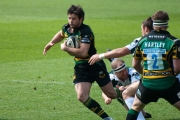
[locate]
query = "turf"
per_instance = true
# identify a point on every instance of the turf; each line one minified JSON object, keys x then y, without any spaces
{"x":38,"y":87}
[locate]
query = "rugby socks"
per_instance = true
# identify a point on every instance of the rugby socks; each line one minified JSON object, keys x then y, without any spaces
{"x":95,"y":107}
{"x":132,"y":115}
{"x":129,"y":103}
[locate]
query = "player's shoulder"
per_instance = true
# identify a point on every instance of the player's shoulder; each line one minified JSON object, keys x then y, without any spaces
{"x":65,"y":26}
{"x":85,"y":27}
{"x":137,"y":38}
{"x":134,"y":74}
{"x":132,"y":71}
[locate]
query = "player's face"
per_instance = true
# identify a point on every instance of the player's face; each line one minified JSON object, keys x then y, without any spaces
{"x":74,"y":21}
{"x":122,"y":75}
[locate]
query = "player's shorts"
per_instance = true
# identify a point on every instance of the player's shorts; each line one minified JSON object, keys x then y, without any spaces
{"x":91,"y":73}
{"x":146,"y":95}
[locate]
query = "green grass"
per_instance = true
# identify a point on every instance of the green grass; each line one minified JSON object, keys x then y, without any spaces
{"x":37,"y":87}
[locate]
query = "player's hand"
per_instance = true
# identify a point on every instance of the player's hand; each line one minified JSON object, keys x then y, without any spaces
{"x":47,"y":47}
{"x":93,"y":59}
{"x":63,"y":46}
{"x":108,"y":101}
{"x":121,"y":88}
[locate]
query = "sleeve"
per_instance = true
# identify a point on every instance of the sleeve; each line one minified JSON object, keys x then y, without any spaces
{"x":177,"y":43}
{"x":135,"y":76}
{"x":137,"y":53}
{"x":86,"y":35}
{"x":133,"y":45}
{"x":64,"y":29}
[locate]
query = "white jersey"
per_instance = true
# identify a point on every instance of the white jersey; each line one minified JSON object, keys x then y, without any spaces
{"x":133,"y":76}
{"x":133,"y":45}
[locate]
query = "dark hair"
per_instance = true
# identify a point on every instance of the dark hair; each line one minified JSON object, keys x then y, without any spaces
{"x":77,"y":10}
{"x":160,"y":20}
{"x":160,"y":15}
{"x":148,"y":23}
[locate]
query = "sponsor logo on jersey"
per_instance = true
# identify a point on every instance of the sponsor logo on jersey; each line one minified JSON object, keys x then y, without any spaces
{"x":157,"y":73}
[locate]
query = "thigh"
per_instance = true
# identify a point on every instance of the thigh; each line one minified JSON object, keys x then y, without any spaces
{"x":131,"y":90}
{"x":172,"y":94}
{"x":147,"y":95}
{"x":108,"y":90}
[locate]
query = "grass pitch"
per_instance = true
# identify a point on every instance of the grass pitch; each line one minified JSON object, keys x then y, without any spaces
{"x":37,"y":87}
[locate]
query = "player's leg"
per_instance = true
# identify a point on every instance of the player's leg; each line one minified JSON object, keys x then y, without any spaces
{"x":135,"y":109}
{"x":128,"y":96}
{"x":106,"y":99}
{"x":111,"y":92}
{"x":83,"y":90}
{"x":172,"y":95}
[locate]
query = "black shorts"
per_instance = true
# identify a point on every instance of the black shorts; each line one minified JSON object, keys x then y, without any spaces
{"x":91,"y":73}
{"x":146,"y":95}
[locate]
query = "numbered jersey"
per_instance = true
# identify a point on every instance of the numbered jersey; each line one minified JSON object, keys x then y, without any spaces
{"x":157,"y":49}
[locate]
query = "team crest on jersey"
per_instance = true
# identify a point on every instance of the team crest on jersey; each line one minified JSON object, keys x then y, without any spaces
{"x":178,"y":94}
{"x":101,"y":74}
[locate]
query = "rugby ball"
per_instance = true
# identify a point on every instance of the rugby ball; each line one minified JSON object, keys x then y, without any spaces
{"x":73,"y":42}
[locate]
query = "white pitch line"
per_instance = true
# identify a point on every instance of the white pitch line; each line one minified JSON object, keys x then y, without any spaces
{"x":45,"y":82}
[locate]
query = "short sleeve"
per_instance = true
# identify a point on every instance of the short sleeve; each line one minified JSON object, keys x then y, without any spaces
{"x":135,"y":76}
{"x":133,"y":45}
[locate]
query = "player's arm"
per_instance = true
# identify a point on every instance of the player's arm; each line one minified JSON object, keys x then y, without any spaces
{"x":176,"y":65}
{"x":119,"y":52}
{"x":176,"y":57}
{"x":136,"y":64}
{"x":81,"y":52}
{"x":56,"y":39}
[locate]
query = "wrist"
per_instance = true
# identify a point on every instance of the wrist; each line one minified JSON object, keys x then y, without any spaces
{"x":102,"y":56}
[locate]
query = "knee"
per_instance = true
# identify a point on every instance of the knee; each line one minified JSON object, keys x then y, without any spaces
{"x":82,"y":98}
{"x":125,"y":94}
{"x":111,"y":95}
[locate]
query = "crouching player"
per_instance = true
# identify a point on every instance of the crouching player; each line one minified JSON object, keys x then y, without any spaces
{"x":126,"y":79}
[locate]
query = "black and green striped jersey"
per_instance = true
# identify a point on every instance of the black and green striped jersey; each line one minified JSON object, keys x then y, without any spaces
{"x":156,"y":50}
{"x":85,"y":34}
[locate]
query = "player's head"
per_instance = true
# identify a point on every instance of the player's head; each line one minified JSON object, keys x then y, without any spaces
{"x":147,"y":26}
{"x":75,"y":16}
{"x":160,"y":20}
{"x":119,"y":68}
